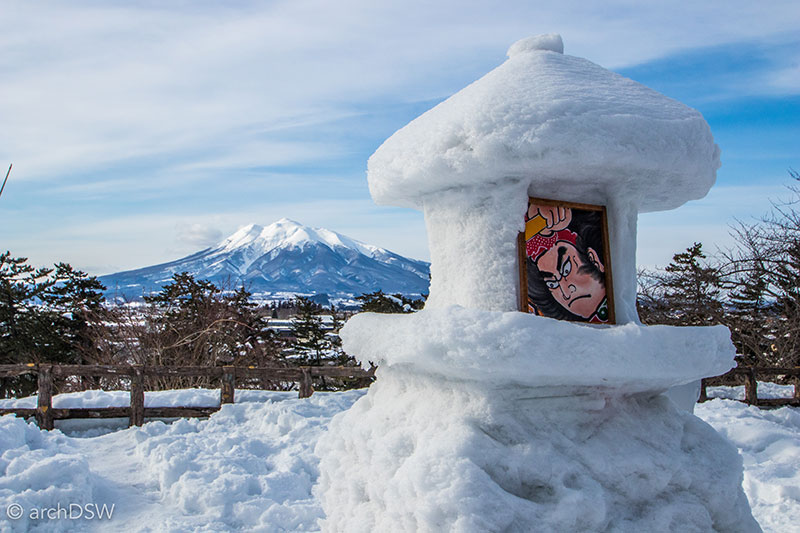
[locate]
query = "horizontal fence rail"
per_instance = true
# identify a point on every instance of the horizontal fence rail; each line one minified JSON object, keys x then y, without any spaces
{"x":45,"y":414}
{"x":749,"y":375}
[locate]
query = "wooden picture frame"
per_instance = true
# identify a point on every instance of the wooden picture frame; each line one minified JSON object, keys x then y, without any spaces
{"x":562,"y":273}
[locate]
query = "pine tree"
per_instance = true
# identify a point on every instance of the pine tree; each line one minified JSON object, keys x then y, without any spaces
{"x":687,"y":293}
{"x":335,"y":341}
{"x":751,"y":318}
{"x":78,"y":299}
{"x":44,"y":316}
{"x":378,"y":302}
{"x":308,"y":330}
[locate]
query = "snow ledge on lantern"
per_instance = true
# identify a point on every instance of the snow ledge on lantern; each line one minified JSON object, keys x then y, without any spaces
{"x":523,"y":350}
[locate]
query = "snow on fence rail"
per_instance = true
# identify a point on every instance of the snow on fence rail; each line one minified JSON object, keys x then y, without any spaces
{"x":45,"y":414}
{"x":749,"y":375}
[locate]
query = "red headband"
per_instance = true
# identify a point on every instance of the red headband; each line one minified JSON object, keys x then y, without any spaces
{"x":537,"y":245}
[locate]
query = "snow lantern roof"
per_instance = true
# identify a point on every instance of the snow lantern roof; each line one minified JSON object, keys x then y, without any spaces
{"x":573,"y":129}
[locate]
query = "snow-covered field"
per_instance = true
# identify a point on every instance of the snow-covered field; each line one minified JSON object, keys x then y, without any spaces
{"x":252,"y":466}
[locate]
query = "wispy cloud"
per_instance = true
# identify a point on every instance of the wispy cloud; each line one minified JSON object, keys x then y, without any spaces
{"x":786,"y":80}
{"x":88,"y":84}
{"x":199,"y":235}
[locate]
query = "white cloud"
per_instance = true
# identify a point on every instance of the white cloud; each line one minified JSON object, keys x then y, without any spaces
{"x":86,"y":85}
{"x":786,"y":80}
{"x":199,"y":235}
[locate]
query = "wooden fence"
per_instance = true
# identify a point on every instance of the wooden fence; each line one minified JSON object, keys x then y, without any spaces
{"x":304,"y":376}
{"x":750,"y":376}
{"x":45,"y":414}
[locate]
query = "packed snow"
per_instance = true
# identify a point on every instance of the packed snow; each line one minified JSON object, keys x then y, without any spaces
{"x":461,"y":461}
{"x":769,"y":442}
{"x":494,"y":421}
{"x":249,"y":467}
{"x":541,"y":354}
{"x":562,"y":124}
{"x":252,"y":466}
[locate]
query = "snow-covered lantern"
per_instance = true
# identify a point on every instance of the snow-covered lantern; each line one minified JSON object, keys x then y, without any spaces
{"x":483,"y":418}
{"x":544,"y":125}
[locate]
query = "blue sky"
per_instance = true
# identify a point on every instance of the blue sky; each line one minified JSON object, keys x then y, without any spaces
{"x":142,"y":132}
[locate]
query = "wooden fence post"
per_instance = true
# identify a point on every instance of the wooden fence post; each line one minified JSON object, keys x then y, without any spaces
{"x":751,"y":388}
{"x":226,"y":391}
{"x":306,"y":385}
{"x":703,"y":394}
{"x":44,"y":402}
{"x":137,"y":397}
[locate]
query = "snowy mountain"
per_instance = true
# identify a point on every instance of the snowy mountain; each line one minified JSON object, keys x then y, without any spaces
{"x":285,"y":257}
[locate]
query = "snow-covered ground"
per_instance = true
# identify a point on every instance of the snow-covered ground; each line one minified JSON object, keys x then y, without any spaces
{"x":252,"y":466}
{"x":769,"y":442}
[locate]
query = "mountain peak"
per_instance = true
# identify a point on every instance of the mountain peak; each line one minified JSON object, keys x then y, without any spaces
{"x":281,"y":232}
{"x":286,"y":221}
{"x":286,"y":256}
{"x":287,"y":233}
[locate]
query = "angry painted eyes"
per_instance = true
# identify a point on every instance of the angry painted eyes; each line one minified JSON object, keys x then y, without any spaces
{"x":566,"y":268}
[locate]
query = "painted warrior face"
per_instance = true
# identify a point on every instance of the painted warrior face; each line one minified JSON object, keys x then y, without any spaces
{"x":574,"y":284}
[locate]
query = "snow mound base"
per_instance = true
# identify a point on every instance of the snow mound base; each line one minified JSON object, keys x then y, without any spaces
{"x":418,"y":454}
{"x":504,"y":421}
